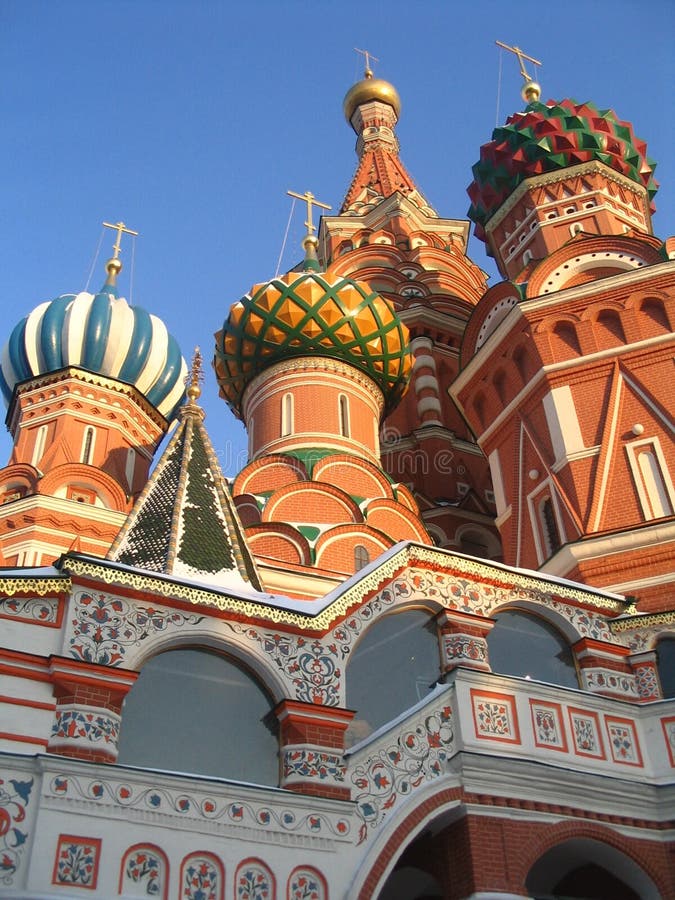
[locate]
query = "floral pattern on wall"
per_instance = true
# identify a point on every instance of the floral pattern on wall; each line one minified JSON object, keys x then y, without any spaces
{"x":77,"y":861}
{"x":15,"y":793}
{"x":400,"y":765}
{"x":105,"y":628}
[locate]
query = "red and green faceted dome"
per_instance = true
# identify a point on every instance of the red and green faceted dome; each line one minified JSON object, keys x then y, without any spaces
{"x":312,"y":314}
{"x":547,"y":137}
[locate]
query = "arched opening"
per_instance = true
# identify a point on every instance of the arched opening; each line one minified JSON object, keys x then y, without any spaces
{"x":588,"y":869}
{"x":393,"y":667}
{"x":361,"y":557}
{"x":287,"y":424}
{"x":665,"y":663}
{"x":564,"y":340}
{"x":525,"y":645}
{"x":181,"y":714}
{"x":343,"y":403}
{"x":655,"y":320}
{"x":413,"y":875}
{"x":609,"y":330}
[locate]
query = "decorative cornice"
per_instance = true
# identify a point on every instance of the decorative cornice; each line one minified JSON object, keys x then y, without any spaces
{"x":340,"y":602}
{"x":20,"y":584}
{"x":628,"y":623}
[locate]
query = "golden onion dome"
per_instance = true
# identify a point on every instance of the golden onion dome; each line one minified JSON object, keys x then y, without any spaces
{"x":370,"y":89}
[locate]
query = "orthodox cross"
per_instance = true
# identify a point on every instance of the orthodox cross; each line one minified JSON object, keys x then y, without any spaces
{"x":521,"y":56}
{"x":368,"y":57}
{"x":120,"y":228}
{"x":310,"y":200}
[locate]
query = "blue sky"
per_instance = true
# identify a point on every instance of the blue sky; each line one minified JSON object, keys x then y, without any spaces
{"x":190,"y":120}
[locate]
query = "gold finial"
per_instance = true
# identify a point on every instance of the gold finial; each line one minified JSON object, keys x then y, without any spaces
{"x":531,"y":91}
{"x":114,"y":264}
{"x":195,"y":377}
{"x":368,"y":56}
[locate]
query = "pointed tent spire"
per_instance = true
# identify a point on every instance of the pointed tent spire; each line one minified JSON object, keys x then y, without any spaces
{"x":185,"y":522}
{"x":372,"y":107}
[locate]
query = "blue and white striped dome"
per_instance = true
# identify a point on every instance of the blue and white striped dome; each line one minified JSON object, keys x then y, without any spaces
{"x":100,"y":333}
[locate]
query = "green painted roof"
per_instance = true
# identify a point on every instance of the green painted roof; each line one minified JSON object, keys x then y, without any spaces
{"x":185,"y":522}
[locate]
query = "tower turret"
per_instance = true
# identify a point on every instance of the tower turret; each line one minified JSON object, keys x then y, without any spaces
{"x":91,"y":384}
{"x":311,"y":362}
{"x":566,"y":367}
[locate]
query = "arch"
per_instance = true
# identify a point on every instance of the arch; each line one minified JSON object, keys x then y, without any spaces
{"x":499,"y":384}
{"x":392,"y":666}
{"x":311,"y":502}
{"x":654,"y":320}
{"x":471,"y":538}
{"x":521,"y":360}
{"x":254,"y":881}
{"x":577,"y":862}
{"x":181,"y":711}
{"x":202,"y":876}
{"x":277,"y":540}
{"x":267,"y":473}
{"x":564,"y":340}
{"x":109,"y":491}
{"x":334,"y":549}
{"x":353,"y":475}
{"x":665,"y":664}
{"x":306,"y":883}
{"x":479,"y":408}
{"x":144,"y":872}
{"x":608,"y":329}
{"x":527,"y":646}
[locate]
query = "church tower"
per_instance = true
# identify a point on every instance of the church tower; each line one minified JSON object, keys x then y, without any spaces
{"x":388,"y":234}
{"x":311,"y":362}
{"x":91,"y":384}
{"x":567,"y":364}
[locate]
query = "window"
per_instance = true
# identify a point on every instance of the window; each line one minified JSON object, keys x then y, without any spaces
{"x":524,"y":645}
{"x":181,"y":713}
{"x":39,"y":448}
{"x":287,"y":415}
{"x":361,"y":557}
{"x":651,"y":477}
{"x":549,"y":526}
{"x":87,"y":446}
{"x":343,"y":403}
{"x":665,"y":663}
{"x":393,"y":666}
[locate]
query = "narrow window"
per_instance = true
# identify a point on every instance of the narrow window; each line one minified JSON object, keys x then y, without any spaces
{"x":344,"y":415}
{"x":87,"y":445}
{"x":361,"y":557}
{"x":39,"y":448}
{"x":658,"y":502}
{"x":286,"y":415}
{"x":130,"y":466}
{"x":549,"y":526}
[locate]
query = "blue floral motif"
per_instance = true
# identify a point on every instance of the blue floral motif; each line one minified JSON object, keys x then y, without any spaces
{"x":14,"y":798}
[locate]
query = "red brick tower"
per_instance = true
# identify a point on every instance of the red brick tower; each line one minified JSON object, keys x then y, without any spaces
{"x":388,"y":234}
{"x":567,"y":365}
{"x":91,"y":384}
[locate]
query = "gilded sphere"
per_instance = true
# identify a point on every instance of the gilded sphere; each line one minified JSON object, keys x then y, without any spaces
{"x":371,"y":89}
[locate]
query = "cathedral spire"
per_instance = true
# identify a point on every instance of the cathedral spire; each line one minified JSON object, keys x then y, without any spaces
{"x":372,"y":107}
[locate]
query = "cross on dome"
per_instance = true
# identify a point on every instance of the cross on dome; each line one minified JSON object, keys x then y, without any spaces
{"x":114,"y":264}
{"x":368,"y":56}
{"x":531,"y":90}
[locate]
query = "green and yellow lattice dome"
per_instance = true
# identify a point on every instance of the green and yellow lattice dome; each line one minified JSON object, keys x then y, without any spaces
{"x":312,"y":314}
